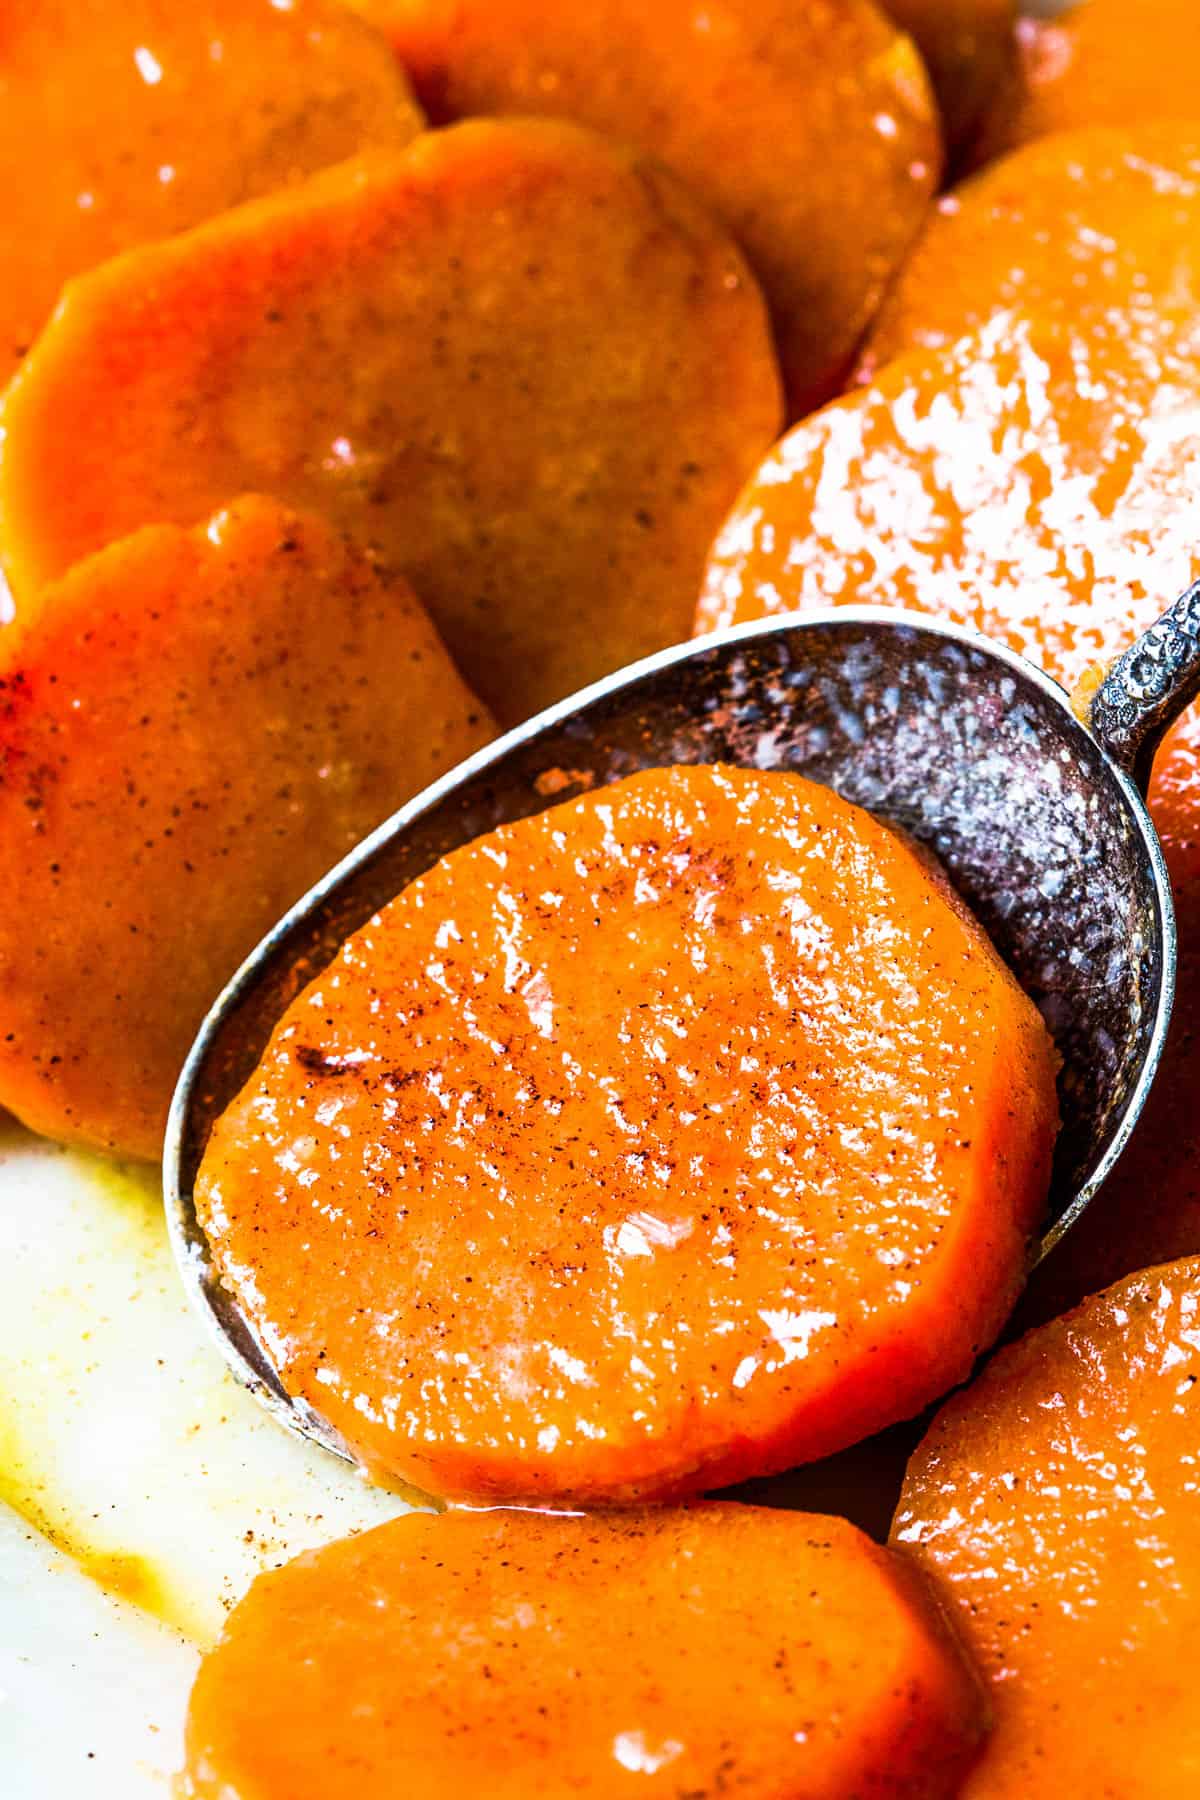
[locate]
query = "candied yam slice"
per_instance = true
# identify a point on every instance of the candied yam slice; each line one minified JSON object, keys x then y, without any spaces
{"x":1055,"y":1499}
{"x":701,"y":1650}
{"x":1102,"y":62}
{"x":516,"y":360}
{"x":1037,"y":481}
{"x":194,"y":727}
{"x":680,"y":1133}
{"x":808,"y":126}
{"x":968,"y":46}
{"x":126,"y":120}
{"x":1072,"y":225}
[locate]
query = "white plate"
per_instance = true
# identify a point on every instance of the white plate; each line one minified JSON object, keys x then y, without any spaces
{"x":122,"y":1435}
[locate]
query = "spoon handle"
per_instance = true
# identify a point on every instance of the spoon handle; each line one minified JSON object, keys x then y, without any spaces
{"x":1147,"y":688}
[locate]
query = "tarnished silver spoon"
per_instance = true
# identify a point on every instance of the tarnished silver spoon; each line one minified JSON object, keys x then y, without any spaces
{"x":1040,"y":822}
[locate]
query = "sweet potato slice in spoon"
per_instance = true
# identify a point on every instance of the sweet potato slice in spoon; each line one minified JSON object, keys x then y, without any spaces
{"x":677,"y":1134}
{"x":519,"y":362}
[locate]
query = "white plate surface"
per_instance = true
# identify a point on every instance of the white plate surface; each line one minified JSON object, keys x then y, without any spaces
{"x":124,"y":1438}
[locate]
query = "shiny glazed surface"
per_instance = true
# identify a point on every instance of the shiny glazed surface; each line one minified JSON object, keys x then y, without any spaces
{"x":679,"y":1133}
{"x":1071,"y":226}
{"x":1056,"y":1500}
{"x":516,"y":360}
{"x":1037,"y":481}
{"x":718,"y":1649}
{"x":1103,"y":62}
{"x":968,"y":46}
{"x":219,"y":714}
{"x":125,"y":120}
{"x":808,"y":126}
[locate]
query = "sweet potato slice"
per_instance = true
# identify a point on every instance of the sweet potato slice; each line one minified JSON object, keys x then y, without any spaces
{"x":1073,"y":225}
{"x":1101,"y":63}
{"x":1056,"y":1501}
{"x":808,"y":126}
{"x":517,"y":360}
{"x":592,"y":1119}
{"x":706,"y":1650}
{"x":1037,"y":481}
{"x":968,"y":46}
{"x":1034,"y":480}
{"x":194,"y":727}
{"x":126,"y":120}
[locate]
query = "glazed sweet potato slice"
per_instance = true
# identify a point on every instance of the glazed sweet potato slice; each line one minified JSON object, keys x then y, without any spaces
{"x":968,"y":46}
{"x":1099,"y":63}
{"x":1056,"y":1501}
{"x":1074,"y":225}
{"x":591,"y":1120}
{"x":1033,"y":481}
{"x":516,"y":360}
{"x":705,"y":1650}
{"x":1038,"y":481}
{"x":195,"y":726}
{"x":807,"y":126}
{"x":126,"y":120}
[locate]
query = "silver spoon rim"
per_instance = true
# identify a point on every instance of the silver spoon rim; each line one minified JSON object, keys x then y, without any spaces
{"x":183,"y":1228}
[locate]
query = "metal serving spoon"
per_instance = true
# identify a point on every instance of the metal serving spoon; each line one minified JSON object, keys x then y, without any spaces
{"x":1040,"y":822}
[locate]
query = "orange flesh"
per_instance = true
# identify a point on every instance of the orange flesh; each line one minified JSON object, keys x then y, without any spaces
{"x":1056,"y":1501}
{"x":808,"y":127}
{"x":968,"y":48}
{"x":194,"y":727}
{"x":126,"y":120}
{"x":708,"y":1650}
{"x":516,"y":360}
{"x":1037,"y":481}
{"x":683,"y":1132}
{"x":1075,"y":225}
{"x":1101,"y":63}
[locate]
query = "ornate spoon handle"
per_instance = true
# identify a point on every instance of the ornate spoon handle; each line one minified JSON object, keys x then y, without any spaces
{"x":1148,"y":687}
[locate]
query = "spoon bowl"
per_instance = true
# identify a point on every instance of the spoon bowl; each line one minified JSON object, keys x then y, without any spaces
{"x":965,"y":745}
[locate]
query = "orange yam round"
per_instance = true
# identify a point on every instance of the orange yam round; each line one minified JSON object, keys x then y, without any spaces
{"x":680,"y":1133}
{"x":1103,"y":62}
{"x":1074,"y":225}
{"x":516,"y":360}
{"x":195,"y":726}
{"x":1055,"y":1501}
{"x":1037,"y":481}
{"x":1034,"y":481}
{"x":127,"y":120}
{"x":968,"y":48}
{"x":806,"y":125}
{"x":705,"y":1650}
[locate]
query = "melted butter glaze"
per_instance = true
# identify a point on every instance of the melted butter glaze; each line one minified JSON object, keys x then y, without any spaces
{"x":674,"y":1654}
{"x":1037,"y":480}
{"x":681,"y":1132}
{"x":1056,"y":1499}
